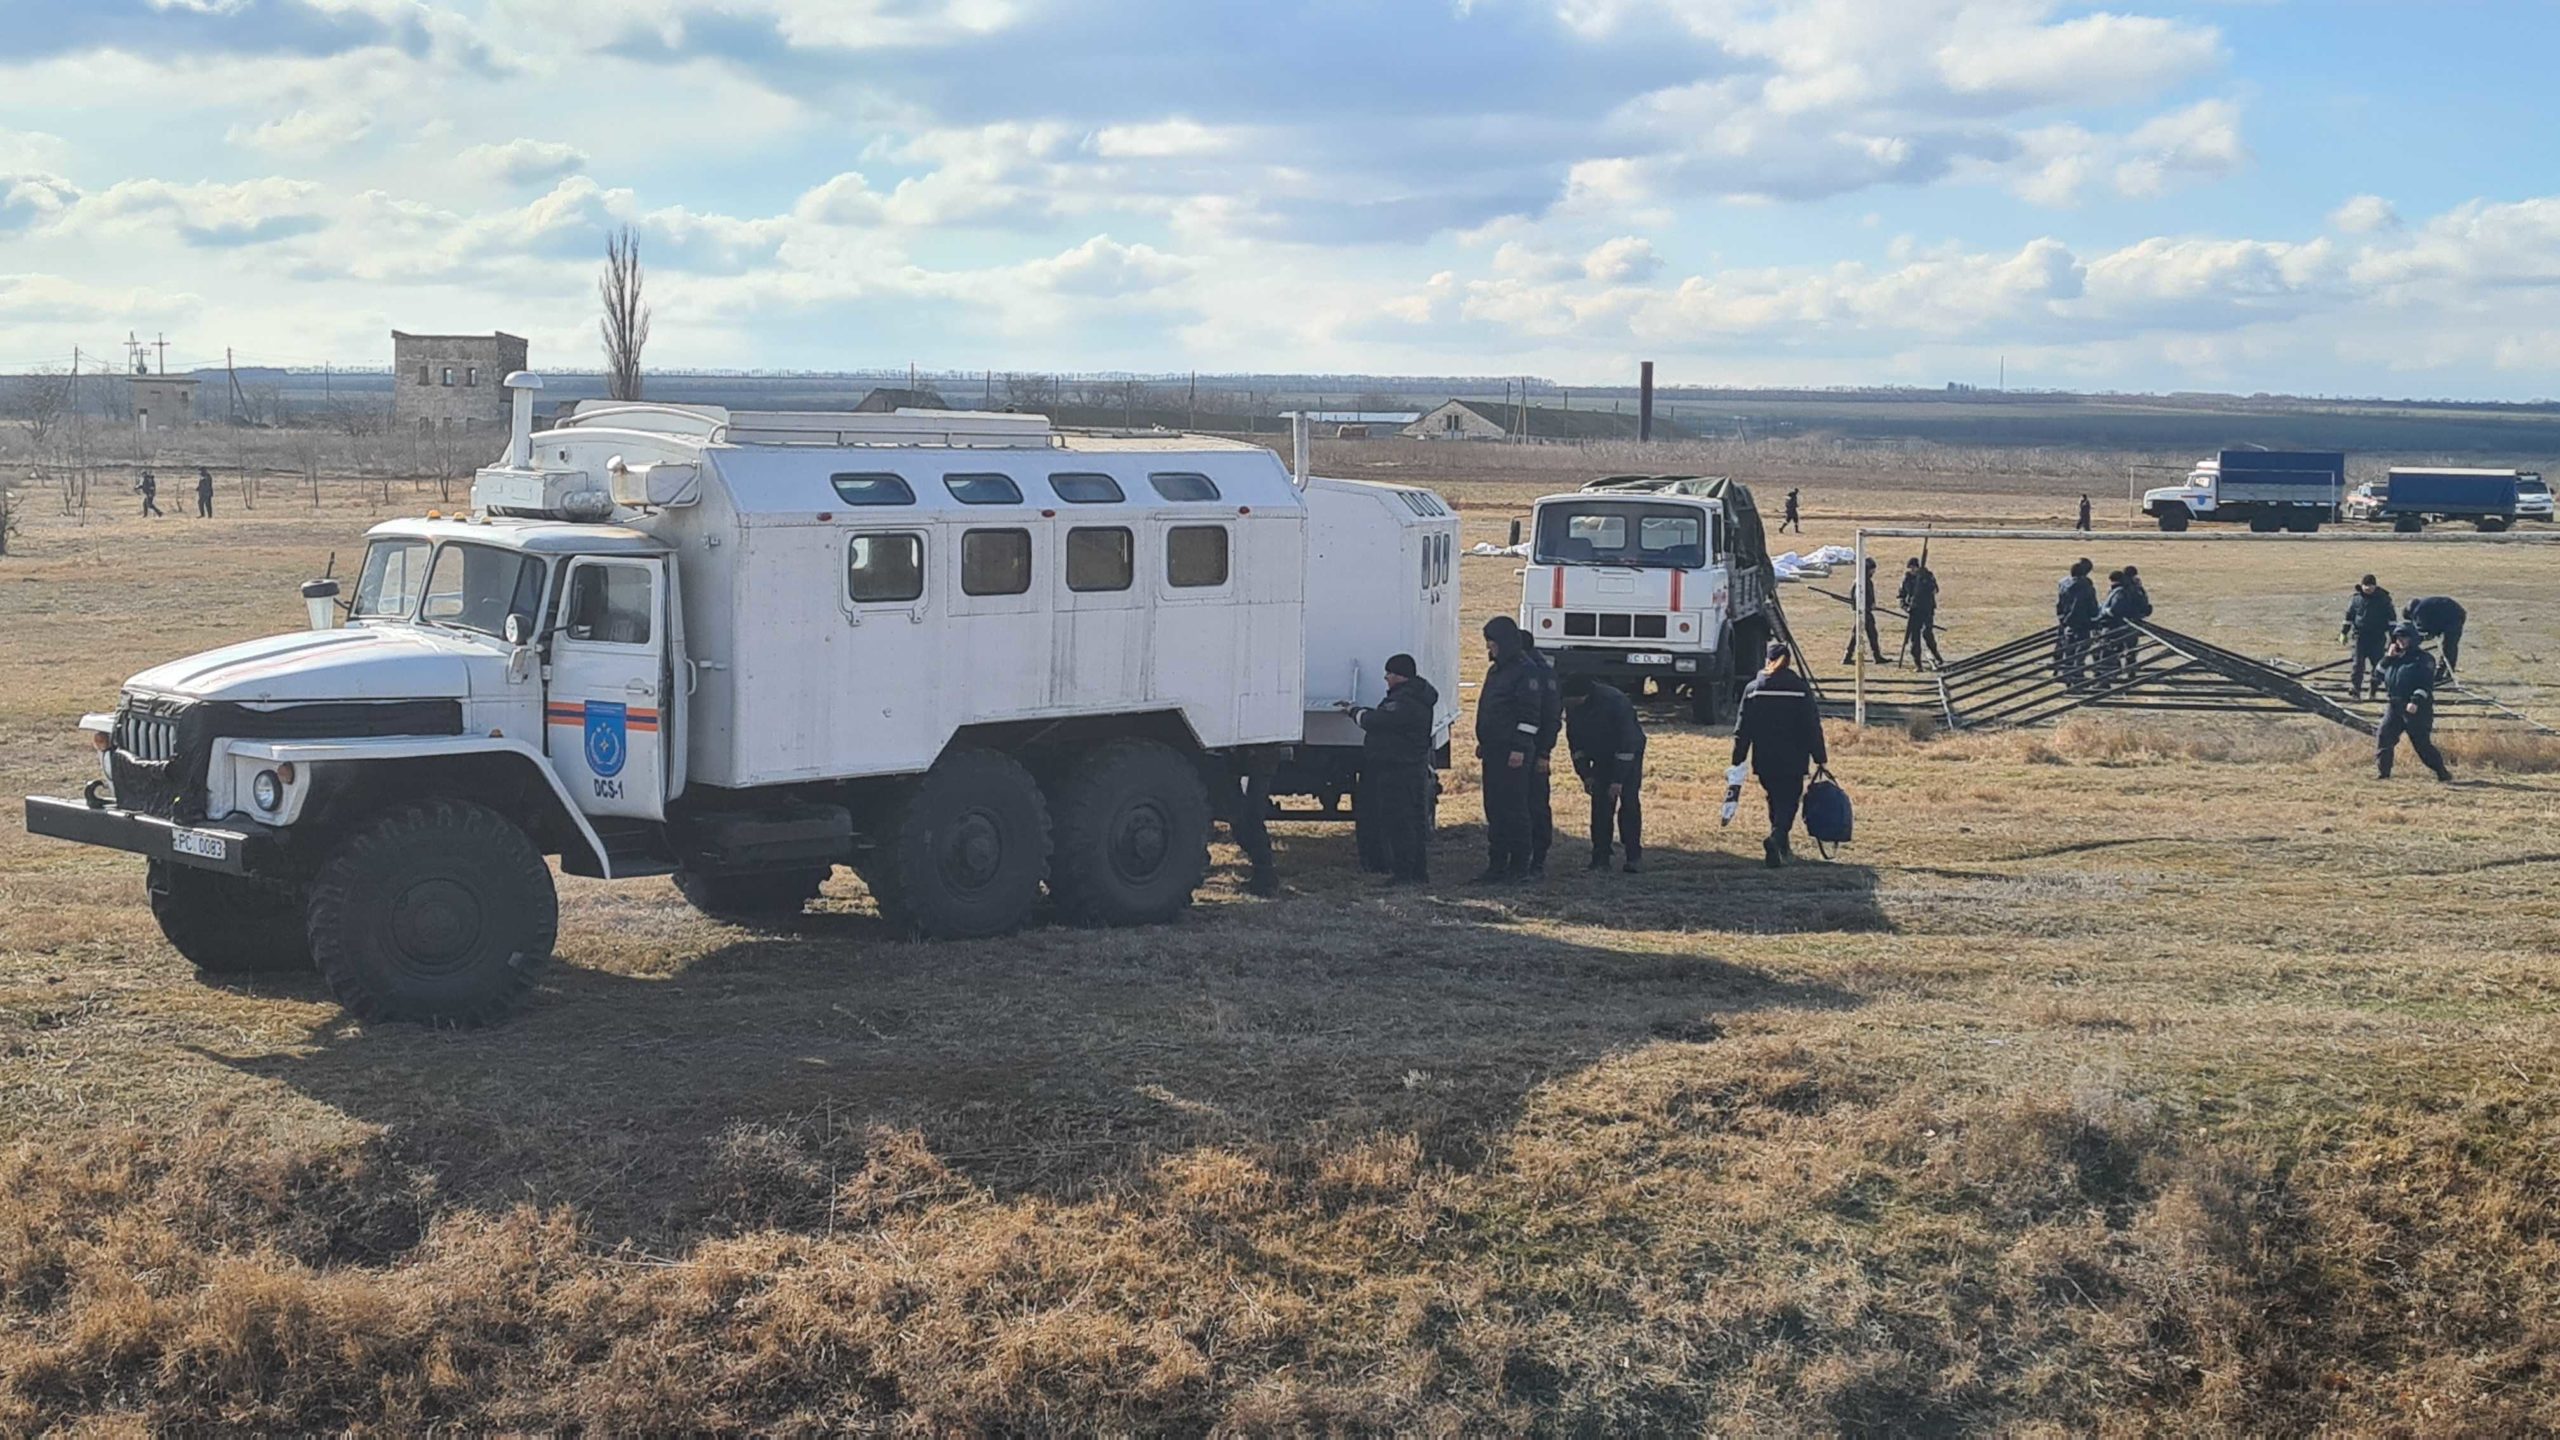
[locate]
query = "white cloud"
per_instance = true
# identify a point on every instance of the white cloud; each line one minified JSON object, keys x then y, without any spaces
{"x":2365,"y":215}
{"x":523,"y":162}
{"x":304,"y":133}
{"x":1627,"y":259}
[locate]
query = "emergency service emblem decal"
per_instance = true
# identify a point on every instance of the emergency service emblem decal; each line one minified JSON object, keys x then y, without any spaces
{"x":608,"y":737}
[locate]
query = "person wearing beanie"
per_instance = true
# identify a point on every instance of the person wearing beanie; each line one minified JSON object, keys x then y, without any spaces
{"x":2367,"y":626}
{"x":1607,"y":743}
{"x":2075,"y":617}
{"x":1779,"y":731}
{"x":1510,"y":710}
{"x":1395,"y":771}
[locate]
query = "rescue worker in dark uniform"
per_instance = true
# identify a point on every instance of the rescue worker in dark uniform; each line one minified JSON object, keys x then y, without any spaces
{"x":1607,"y":744}
{"x":2439,"y":618}
{"x":1395,"y":770}
{"x":2409,"y":683}
{"x":2084,"y":512}
{"x":2075,"y":615}
{"x":149,"y":490}
{"x":1779,"y":730}
{"x":1510,"y":706}
{"x":1794,"y":518}
{"x":1542,"y":798}
{"x":204,"y":493}
{"x":1866,"y":613}
{"x":1920,"y":610}
{"x":2136,"y":606}
{"x":2368,"y":627}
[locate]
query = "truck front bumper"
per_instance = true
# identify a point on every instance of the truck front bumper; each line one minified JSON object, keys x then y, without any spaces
{"x":234,"y":847}
{"x":1615,"y":665}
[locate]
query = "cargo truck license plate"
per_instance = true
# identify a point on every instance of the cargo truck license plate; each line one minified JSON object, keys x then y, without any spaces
{"x":1643,"y":658}
{"x":200,"y":845}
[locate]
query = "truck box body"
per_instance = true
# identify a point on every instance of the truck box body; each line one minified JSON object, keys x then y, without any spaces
{"x":2283,"y":477}
{"x":1383,"y":562}
{"x":2441,"y":492}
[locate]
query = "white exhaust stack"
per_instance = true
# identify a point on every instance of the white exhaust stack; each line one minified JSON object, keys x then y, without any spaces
{"x":522,"y":386}
{"x":1298,"y":441}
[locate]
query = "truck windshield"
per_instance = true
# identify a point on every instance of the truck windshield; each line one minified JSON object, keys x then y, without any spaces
{"x":1625,"y":534}
{"x":476,"y":587}
{"x":394,"y":572}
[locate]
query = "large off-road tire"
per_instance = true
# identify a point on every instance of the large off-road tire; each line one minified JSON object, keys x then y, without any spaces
{"x":436,"y":911}
{"x":2408,"y":524}
{"x":968,"y":850}
{"x":762,"y":895}
{"x":1705,"y":700}
{"x":2175,"y":518}
{"x":226,"y":925}
{"x":2490,"y":524}
{"x":1133,"y":834}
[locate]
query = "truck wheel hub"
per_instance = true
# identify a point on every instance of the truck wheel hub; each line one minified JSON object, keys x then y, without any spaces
{"x":1139,"y":842}
{"x":973,"y":853}
{"x":435,"y":923}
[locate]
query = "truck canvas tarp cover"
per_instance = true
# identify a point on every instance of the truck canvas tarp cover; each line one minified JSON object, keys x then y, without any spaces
{"x":2299,"y":476}
{"x":1748,"y":541}
{"x":2447,"y":492}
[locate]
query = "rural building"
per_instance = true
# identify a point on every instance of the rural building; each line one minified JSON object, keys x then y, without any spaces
{"x":889,"y":399}
{"x":1354,"y":424}
{"x":1487,"y":420}
{"x":161,"y":402}
{"x":452,"y":382}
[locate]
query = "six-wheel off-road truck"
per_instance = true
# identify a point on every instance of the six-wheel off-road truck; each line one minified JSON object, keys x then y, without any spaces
{"x":987,"y":664}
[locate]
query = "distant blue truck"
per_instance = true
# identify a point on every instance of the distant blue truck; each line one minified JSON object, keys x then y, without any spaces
{"x":2412,"y":497}
{"x":2269,"y":490}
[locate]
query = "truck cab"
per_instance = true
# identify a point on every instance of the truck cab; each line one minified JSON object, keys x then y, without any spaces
{"x":988,"y":665}
{"x":1660,"y":580}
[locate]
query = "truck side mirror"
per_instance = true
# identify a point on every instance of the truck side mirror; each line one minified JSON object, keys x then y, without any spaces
{"x":320,"y":603}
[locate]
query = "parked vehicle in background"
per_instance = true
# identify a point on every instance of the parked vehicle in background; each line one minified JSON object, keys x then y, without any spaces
{"x":2412,"y":498}
{"x":1661,"y":578}
{"x":985,"y":663}
{"x":2533,"y":497}
{"x":2364,"y":502}
{"x":2268,"y":490}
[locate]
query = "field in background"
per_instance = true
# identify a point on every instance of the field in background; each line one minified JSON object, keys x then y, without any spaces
{"x":2120,"y":1077}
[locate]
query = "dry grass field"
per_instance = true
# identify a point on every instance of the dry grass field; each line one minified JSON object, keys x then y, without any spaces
{"x":2121,"y":1078}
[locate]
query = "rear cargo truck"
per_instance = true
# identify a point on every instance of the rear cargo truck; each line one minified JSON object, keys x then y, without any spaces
{"x":2413,"y":497}
{"x":2267,"y":490}
{"x":988,"y":665}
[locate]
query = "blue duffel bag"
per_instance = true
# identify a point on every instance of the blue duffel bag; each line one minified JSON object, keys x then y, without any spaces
{"x":1827,"y":815}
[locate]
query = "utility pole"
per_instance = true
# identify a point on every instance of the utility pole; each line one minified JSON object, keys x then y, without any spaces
{"x":232,"y":369}
{"x":164,"y":352}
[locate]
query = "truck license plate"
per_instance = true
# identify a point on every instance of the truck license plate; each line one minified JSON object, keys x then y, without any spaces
{"x":200,"y":844}
{"x":1645,"y":658}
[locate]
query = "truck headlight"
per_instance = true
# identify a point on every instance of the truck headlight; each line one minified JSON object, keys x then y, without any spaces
{"x":267,"y":791}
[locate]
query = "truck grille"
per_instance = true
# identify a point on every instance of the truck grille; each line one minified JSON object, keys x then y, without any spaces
{"x":1599,"y":625}
{"x":152,"y":738}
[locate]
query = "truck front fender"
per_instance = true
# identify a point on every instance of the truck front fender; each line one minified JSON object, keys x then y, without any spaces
{"x":318,"y":758}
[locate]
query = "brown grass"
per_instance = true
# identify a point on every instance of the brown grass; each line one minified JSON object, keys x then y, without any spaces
{"x":2127,"y":1076}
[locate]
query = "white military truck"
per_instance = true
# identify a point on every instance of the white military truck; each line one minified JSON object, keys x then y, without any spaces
{"x":1660,"y":578}
{"x":983,"y":662}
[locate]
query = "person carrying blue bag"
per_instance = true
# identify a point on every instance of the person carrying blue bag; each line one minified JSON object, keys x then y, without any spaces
{"x":1779,"y":731}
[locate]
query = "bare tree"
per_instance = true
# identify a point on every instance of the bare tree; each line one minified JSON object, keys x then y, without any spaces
{"x":8,"y":522}
{"x":625,"y":326}
{"x":1031,"y":392}
{"x":42,"y":398}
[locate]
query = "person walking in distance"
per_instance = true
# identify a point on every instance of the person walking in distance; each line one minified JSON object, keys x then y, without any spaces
{"x":2367,"y":627}
{"x":149,"y":490}
{"x":2075,"y":615}
{"x":2409,"y":688}
{"x":1779,"y":731}
{"x":1395,"y":769}
{"x":1920,"y":613}
{"x":1508,"y":707}
{"x":204,"y":493}
{"x":1794,"y":518}
{"x":1865,"y":603}
{"x":2439,"y":617}
{"x":2084,"y":514}
{"x":1607,"y":744}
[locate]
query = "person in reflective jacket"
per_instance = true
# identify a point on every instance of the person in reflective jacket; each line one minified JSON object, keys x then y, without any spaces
{"x":1510,"y":711}
{"x":2409,"y":688}
{"x":1395,"y":769}
{"x":1607,"y":744}
{"x":1779,"y":730}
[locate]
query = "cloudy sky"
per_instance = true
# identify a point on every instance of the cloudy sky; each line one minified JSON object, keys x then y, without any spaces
{"x":2313,"y":195}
